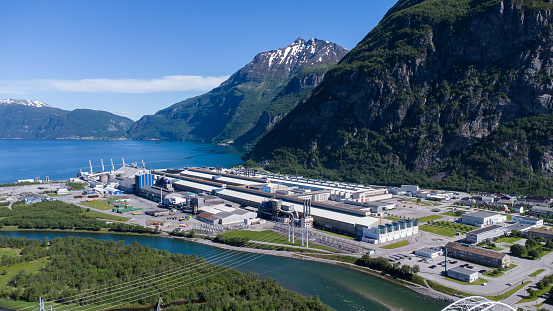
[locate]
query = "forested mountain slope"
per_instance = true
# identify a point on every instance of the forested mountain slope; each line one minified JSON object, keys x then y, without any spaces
{"x":255,"y":96}
{"x":23,"y":119}
{"x":427,"y":84}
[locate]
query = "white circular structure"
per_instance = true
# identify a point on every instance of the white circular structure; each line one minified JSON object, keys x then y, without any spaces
{"x":477,"y":303}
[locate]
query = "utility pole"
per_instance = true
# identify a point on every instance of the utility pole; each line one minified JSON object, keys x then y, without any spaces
{"x":288,"y":231}
{"x":158,"y":304}
{"x":307,"y":237}
{"x":292,"y":230}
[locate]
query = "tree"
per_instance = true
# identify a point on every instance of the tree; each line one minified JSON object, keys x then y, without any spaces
{"x":518,"y":250}
{"x":405,"y":269}
{"x":531,"y":243}
{"x":549,"y":244}
{"x":534,"y":253}
{"x":416,"y":269}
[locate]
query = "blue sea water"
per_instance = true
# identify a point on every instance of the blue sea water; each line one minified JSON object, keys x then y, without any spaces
{"x":63,"y":159}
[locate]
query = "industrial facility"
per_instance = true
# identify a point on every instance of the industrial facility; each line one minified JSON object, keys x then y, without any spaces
{"x":345,"y":208}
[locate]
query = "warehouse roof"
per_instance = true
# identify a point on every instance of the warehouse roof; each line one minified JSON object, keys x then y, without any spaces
{"x":243,"y":195}
{"x":485,"y":229}
{"x":481,"y":214}
{"x":476,"y":250}
{"x":195,"y":185}
{"x":541,"y":231}
{"x":462,"y":271}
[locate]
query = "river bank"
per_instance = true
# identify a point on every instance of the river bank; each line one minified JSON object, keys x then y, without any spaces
{"x":342,"y":287}
{"x":429,"y":292}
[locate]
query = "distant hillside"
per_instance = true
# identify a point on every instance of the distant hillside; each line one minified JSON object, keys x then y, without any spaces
{"x":36,"y":120}
{"x":417,"y":98}
{"x":243,"y":107}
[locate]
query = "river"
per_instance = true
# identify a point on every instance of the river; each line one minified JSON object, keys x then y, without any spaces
{"x":337,"y":287}
{"x":63,"y":159}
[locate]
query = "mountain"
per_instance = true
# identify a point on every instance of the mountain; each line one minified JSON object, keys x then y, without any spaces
{"x":31,"y":119}
{"x":243,"y":107}
{"x":24,"y":102}
{"x":419,"y":99}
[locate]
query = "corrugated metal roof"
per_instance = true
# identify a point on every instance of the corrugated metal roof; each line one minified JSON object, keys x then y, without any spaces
{"x":195,"y":185}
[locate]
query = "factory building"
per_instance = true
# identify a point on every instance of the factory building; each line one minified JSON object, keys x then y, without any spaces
{"x":154,"y":193}
{"x":157,"y":213}
{"x":225,"y":215}
{"x":335,"y":217}
{"x":518,"y":226}
{"x":483,"y":234}
{"x":536,"y":232}
{"x":389,"y":232}
{"x":535,"y":222}
{"x":482,"y":219}
{"x":538,"y":210}
{"x":463,"y":274}
{"x":126,"y":185}
{"x":410,"y":188}
{"x":478,"y":255}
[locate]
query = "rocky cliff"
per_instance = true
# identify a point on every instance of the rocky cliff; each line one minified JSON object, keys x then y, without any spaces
{"x":431,"y":80}
{"x":248,"y":98}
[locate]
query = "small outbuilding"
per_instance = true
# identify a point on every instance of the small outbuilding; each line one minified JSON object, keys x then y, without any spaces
{"x":428,"y":252}
{"x":463,"y":274}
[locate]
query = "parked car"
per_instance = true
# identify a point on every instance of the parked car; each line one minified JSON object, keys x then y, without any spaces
{"x":509,"y":284}
{"x":432,"y":266}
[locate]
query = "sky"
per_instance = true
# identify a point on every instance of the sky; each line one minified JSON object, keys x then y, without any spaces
{"x":134,"y":58}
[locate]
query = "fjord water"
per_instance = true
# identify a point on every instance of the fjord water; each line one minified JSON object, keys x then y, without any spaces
{"x":62,"y":159}
{"x":337,"y":287}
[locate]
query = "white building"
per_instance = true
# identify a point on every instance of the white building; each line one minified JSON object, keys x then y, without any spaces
{"x":428,"y":252}
{"x":462,"y":274}
{"x":535,"y":222}
{"x":482,"y":219}
{"x":62,"y":191}
{"x":390,"y":232}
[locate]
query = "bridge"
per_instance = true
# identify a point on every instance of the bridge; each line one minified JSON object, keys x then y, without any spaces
{"x":477,"y":303}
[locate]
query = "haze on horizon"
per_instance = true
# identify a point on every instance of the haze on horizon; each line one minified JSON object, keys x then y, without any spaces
{"x":134,"y":58}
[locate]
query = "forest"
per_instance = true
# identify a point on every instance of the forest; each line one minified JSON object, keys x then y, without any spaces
{"x":98,"y":274}
{"x":60,"y":215}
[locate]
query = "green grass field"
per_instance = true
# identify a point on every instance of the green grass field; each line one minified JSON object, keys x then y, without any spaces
{"x":11,"y":271}
{"x":270,"y":236}
{"x":9,"y":251}
{"x":509,"y":239}
{"x":396,"y":245}
{"x":101,"y":215}
{"x":449,"y":214}
{"x":429,"y":218}
{"x":438,"y":230}
{"x":336,"y":234}
{"x":480,"y":281}
{"x":536,"y":272}
{"x":99,"y":204}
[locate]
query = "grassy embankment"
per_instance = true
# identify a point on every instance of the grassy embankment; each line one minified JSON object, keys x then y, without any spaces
{"x":270,"y":236}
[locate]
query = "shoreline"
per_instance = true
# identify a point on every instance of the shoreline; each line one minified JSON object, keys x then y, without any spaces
{"x":426,"y":291}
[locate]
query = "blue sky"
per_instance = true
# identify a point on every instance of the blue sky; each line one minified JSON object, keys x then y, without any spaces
{"x":136,"y":57}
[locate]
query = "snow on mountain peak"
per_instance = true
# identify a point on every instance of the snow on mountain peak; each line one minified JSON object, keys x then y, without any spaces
{"x":25,"y":102}
{"x":297,"y":53}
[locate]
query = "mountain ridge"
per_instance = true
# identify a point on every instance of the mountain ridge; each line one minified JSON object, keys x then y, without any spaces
{"x":240,"y":101}
{"x":36,"y":120}
{"x":429,"y":81}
